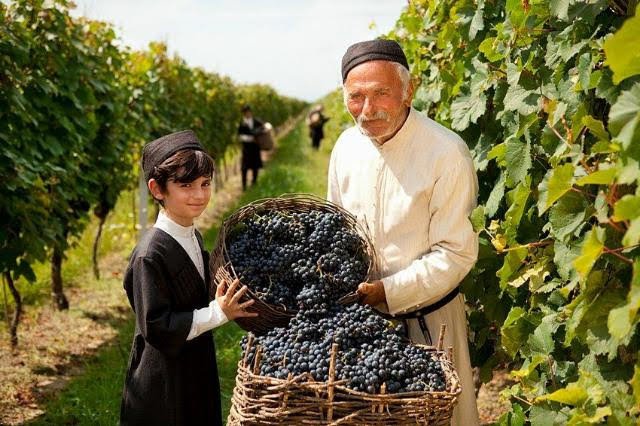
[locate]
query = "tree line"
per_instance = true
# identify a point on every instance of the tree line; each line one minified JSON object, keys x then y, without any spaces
{"x":76,"y":107}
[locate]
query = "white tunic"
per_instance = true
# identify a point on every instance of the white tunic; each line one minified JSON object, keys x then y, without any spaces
{"x":211,"y":316}
{"x":414,"y":193}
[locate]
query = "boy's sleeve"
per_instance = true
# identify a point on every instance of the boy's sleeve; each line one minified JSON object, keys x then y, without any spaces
{"x":165,"y":329}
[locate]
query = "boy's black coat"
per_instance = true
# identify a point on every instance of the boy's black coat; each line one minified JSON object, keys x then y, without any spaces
{"x":170,"y":381}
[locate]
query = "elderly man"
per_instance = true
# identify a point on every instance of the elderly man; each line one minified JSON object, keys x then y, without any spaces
{"x":411,"y":181}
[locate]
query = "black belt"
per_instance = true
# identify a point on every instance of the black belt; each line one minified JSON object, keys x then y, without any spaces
{"x":427,"y":309}
{"x":420,"y":313}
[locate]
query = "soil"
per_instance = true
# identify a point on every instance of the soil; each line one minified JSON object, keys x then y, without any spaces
{"x":53,"y":344}
{"x":490,"y":405}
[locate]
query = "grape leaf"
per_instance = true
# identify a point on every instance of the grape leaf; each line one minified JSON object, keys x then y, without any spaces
{"x":477,"y":218}
{"x":477,"y":23}
{"x":624,"y":117}
{"x":541,"y":341}
{"x":518,"y":200}
{"x":572,"y":394}
{"x":632,"y":236}
{"x":568,"y":214}
{"x":467,"y":109}
{"x":622,"y":320}
{"x":635,"y":383}
{"x":596,"y":127}
{"x":496,"y":195}
{"x":559,"y":9}
{"x":513,"y":261}
{"x":518,"y":157}
{"x":623,"y":61}
{"x":627,"y":207}
{"x":555,"y":184}
{"x":515,"y":330}
{"x":599,"y":177}
{"x":592,"y":247}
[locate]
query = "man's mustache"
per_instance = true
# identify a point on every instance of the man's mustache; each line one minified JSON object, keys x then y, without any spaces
{"x":379,"y":115}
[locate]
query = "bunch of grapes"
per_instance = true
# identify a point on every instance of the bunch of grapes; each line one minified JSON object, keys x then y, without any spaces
{"x":302,"y":260}
{"x":370,"y":352}
{"x":306,"y":261}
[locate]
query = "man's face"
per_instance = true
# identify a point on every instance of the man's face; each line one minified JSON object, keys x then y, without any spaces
{"x":375,"y":99}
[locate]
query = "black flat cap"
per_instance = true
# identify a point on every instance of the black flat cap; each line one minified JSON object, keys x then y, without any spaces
{"x":154,"y":153}
{"x":372,"y":50}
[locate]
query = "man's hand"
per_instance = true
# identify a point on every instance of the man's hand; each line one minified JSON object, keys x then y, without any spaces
{"x":373,"y":292}
{"x":229,"y":300}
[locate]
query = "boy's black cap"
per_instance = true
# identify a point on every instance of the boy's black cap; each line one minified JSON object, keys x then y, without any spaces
{"x":372,"y":50}
{"x":154,"y":153}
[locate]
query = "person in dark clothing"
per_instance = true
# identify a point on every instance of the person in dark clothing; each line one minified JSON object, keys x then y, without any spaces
{"x":247,"y":131}
{"x":316,"y":121}
{"x":172,"y":378}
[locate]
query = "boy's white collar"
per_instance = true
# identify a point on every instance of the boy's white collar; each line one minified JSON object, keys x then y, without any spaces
{"x":172,"y":228}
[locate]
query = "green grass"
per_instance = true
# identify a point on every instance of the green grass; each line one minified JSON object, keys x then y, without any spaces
{"x":94,"y":397}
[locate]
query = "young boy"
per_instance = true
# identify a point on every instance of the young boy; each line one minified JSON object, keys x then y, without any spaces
{"x":172,"y":378}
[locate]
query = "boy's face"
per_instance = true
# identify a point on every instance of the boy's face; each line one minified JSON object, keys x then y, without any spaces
{"x":183,"y":201}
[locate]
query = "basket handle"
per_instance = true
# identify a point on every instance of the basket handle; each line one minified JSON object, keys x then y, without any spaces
{"x":443,"y":328}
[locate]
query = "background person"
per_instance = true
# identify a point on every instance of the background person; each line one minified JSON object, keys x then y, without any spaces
{"x":316,"y":121}
{"x":247,"y":130}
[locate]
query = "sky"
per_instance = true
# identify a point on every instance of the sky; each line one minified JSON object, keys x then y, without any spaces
{"x":295,"y":46}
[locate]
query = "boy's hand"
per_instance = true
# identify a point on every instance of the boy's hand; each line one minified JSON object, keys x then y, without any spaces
{"x":229,"y":300}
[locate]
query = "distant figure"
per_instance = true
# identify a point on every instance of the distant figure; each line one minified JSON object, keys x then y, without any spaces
{"x":247,"y":131}
{"x":316,"y":121}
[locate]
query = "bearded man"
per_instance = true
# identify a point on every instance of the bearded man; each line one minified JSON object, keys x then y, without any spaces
{"x":411,"y":181}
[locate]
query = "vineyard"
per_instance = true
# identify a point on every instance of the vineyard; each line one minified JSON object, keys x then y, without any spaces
{"x":546,"y":93}
{"x":75,"y":110}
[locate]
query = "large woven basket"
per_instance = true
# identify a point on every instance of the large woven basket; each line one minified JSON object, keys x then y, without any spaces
{"x":269,"y":315}
{"x":261,"y":400}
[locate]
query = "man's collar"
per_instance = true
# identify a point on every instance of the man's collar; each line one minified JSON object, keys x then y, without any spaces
{"x":401,"y":134}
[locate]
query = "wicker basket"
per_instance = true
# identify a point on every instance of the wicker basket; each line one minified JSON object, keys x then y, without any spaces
{"x":269,"y":315}
{"x":265,"y":140}
{"x":261,"y":400}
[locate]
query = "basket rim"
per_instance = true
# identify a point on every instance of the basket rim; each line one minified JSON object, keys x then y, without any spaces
{"x":294,"y":382}
{"x":220,"y":256}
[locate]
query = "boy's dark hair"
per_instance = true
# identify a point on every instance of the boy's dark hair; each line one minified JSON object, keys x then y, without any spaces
{"x":184,"y":166}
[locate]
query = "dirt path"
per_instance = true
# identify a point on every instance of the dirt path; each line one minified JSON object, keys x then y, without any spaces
{"x":54,"y":344}
{"x":490,"y":405}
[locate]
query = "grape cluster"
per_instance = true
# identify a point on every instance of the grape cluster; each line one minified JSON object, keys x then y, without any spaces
{"x":301,"y":260}
{"x":370,"y":352}
{"x":306,"y":261}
